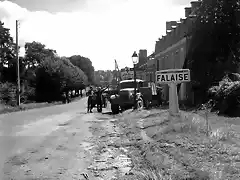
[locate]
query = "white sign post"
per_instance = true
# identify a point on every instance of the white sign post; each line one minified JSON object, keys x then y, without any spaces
{"x":172,"y":77}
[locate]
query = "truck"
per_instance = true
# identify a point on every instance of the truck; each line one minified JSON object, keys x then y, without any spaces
{"x":146,"y":93}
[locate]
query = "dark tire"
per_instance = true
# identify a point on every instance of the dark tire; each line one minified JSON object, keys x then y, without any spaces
{"x":123,"y":108}
{"x":99,"y":110}
{"x":140,"y":104}
{"x":115,"y":108}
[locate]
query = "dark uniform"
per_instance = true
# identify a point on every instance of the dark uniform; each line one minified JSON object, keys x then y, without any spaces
{"x":99,"y":97}
{"x":90,"y":99}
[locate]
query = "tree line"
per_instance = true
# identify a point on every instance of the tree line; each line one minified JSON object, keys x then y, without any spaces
{"x":214,"y":48}
{"x":44,"y":75}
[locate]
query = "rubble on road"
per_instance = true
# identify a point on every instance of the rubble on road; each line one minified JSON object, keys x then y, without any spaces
{"x":110,"y":158}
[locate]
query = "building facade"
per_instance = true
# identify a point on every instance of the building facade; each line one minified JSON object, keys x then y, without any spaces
{"x":171,"y":49}
{"x":146,"y":70}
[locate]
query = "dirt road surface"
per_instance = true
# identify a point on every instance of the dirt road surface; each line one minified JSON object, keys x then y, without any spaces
{"x":24,"y":135}
{"x":60,"y":142}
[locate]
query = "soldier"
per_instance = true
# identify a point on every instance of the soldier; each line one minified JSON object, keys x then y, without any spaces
{"x":81,"y":94}
{"x":99,"y":98}
{"x":68,"y":97}
{"x":90,"y":99}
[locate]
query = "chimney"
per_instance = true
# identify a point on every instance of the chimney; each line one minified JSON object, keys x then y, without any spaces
{"x":195,"y":5}
{"x":182,"y":20}
{"x":170,"y":25}
{"x":142,"y":56}
{"x":188,"y":11}
{"x":158,"y":45}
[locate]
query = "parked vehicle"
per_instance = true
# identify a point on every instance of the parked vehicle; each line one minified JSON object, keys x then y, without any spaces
{"x":124,"y":98}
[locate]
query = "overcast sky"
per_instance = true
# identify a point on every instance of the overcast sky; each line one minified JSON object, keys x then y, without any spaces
{"x":102,"y":30}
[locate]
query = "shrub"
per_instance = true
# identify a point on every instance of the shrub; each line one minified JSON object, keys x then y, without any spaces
{"x":8,"y":93}
{"x":226,"y":94}
{"x":28,"y":94}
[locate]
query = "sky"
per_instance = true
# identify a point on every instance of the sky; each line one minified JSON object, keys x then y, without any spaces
{"x":102,"y":30}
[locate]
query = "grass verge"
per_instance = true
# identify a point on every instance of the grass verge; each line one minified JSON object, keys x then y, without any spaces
{"x":180,"y":149}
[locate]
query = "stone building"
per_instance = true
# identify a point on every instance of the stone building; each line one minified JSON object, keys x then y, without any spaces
{"x":140,"y":67}
{"x":149,"y":69}
{"x":171,"y":49}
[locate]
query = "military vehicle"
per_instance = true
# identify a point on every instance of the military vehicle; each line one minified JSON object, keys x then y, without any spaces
{"x":124,"y":98}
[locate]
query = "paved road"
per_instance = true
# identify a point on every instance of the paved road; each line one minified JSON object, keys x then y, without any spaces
{"x":24,"y":130}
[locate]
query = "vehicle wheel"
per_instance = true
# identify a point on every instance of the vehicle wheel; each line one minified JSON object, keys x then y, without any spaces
{"x":140,"y":104}
{"x":115,"y":108}
{"x":99,"y":110}
{"x":123,"y":108}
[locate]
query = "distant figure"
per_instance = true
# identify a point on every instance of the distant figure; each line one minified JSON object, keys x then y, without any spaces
{"x":68,"y":96}
{"x":64,"y":99}
{"x":90,"y":99}
{"x":100,"y":98}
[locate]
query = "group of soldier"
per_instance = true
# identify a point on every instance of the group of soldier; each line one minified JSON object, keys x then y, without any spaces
{"x":68,"y":95}
{"x":98,"y":93}
{"x":95,"y":97}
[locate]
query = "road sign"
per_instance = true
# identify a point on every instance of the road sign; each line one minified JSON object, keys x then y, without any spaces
{"x":173,"y":76}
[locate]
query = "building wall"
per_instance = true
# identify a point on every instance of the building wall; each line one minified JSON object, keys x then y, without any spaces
{"x":171,"y":50}
{"x":151,"y":70}
{"x":173,"y":57}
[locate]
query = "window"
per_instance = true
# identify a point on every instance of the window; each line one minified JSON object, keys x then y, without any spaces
{"x":163,"y":63}
{"x":177,"y":60}
{"x":129,"y":84}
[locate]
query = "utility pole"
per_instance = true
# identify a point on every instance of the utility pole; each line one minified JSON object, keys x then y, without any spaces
{"x":18,"y":69}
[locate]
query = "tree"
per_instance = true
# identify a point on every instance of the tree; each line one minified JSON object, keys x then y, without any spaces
{"x":103,"y":77}
{"x":35,"y":53}
{"x":44,"y":75}
{"x":7,"y":52}
{"x":77,"y":78}
{"x":56,"y":75}
{"x":214,"y":46}
{"x":85,"y":65}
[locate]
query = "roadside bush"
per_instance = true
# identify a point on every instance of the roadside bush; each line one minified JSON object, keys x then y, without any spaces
{"x":226,"y":95}
{"x":8,"y":94}
{"x":28,"y":94}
